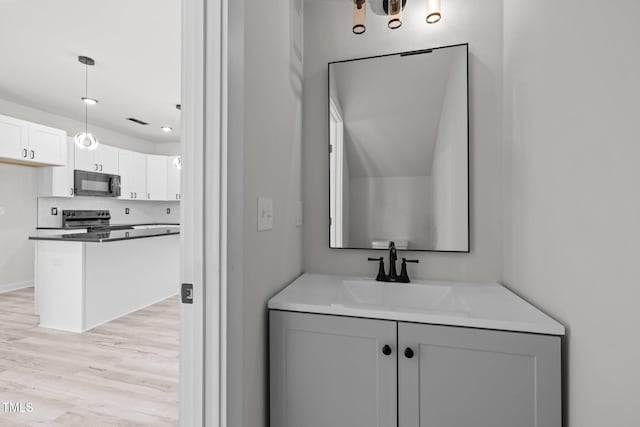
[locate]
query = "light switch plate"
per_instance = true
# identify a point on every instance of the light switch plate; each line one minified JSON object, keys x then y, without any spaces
{"x":265,"y":213}
{"x":298,"y":213}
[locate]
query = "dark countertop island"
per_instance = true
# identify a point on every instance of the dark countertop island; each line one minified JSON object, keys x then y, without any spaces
{"x":110,"y":235}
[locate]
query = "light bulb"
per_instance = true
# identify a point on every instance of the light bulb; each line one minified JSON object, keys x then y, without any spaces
{"x":395,"y":14}
{"x":359,"y":11}
{"x":433,"y":11}
{"x":86,"y":141}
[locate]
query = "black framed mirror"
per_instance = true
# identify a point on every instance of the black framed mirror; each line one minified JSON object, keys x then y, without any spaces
{"x":399,"y":151}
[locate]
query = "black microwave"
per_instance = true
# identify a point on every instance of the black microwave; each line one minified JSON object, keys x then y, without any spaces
{"x":96,"y":184}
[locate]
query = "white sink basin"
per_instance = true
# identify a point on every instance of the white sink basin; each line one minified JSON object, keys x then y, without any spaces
{"x":476,"y":305}
{"x":369,"y":294}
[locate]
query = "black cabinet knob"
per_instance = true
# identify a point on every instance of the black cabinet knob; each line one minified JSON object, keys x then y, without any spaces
{"x":408,"y":353}
{"x":386,"y":350}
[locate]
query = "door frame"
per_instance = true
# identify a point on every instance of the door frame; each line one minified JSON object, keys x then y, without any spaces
{"x":203,"y":326}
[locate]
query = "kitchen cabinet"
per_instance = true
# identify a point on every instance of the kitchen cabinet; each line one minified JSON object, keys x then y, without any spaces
{"x":103,"y":158}
{"x":30,"y":143}
{"x":57,"y":181}
{"x":133,"y":175}
{"x":173,"y":179}
{"x":329,"y":370}
{"x":157,"y":179}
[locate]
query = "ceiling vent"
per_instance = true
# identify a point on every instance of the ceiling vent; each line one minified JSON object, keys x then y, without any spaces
{"x":134,"y":120}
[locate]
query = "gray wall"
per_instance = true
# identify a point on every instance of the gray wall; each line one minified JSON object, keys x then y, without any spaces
{"x":571,"y":146}
{"x":328,"y":38}
{"x":272,"y":168}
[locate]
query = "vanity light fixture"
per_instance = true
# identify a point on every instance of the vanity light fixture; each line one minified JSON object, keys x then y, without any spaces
{"x":433,"y":11}
{"x":359,"y":12}
{"x":166,"y":128}
{"x":85,"y":139}
{"x":393,"y":9}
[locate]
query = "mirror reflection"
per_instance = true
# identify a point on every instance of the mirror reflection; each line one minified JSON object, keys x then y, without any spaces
{"x":398,"y":130}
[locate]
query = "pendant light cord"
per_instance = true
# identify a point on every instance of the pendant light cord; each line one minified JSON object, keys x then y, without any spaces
{"x":86,"y":94}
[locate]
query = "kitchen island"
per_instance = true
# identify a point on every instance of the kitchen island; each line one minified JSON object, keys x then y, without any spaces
{"x":83,"y":280}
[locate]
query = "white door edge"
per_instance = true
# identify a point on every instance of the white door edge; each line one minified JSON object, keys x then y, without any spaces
{"x":203,"y":329}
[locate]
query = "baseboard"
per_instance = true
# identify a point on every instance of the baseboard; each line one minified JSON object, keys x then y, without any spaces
{"x":8,"y":287}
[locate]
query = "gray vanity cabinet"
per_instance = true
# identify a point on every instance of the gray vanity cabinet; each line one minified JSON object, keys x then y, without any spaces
{"x":329,"y":371}
{"x":332,"y":371}
{"x":461,"y":377}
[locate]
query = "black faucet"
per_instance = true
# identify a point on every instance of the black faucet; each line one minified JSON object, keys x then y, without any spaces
{"x":393,"y":257}
{"x":393,"y":275}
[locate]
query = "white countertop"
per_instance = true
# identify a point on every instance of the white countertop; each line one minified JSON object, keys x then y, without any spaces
{"x":468,"y":304}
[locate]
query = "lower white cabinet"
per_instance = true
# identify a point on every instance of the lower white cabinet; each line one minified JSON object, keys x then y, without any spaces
{"x":340,"y":371}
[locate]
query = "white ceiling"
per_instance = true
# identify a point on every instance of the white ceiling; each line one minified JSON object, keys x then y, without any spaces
{"x":136,"y":46}
{"x":391,"y":107}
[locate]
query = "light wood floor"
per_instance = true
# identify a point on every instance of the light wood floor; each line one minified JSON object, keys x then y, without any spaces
{"x":124,"y":373}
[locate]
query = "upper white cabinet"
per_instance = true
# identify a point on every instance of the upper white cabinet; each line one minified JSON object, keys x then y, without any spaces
{"x":156,"y":177}
{"x":30,"y":143}
{"x":103,"y":159}
{"x":133,"y":173}
{"x":173,"y":179}
{"x":58,"y":181}
{"x":14,"y":135}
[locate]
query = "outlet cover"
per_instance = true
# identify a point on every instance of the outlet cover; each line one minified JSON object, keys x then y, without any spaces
{"x":126,"y":211}
{"x":168,"y":211}
{"x":265,"y":214}
{"x":298,"y":213}
{"x":54,"y":211}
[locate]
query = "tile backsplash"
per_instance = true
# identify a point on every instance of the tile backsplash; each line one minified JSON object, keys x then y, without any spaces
{"x":139,"y":211}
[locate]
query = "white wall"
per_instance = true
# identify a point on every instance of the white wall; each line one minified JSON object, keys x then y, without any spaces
{"x":272,"y":168}
{"x":17,"y":187}
{"x":571,"y":143}
{"x":328,"y":37}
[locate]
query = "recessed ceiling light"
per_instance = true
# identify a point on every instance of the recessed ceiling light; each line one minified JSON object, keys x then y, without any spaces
{"x":89,"y":101}
{"x":166,"y":128}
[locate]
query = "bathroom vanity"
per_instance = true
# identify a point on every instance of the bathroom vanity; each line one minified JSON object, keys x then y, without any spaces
{"x":347,"y":351}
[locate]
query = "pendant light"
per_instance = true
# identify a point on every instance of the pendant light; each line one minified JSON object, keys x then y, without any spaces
{"x":359,"y":11}
{"x":433,"y":11}
{"x":85,"y":139}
